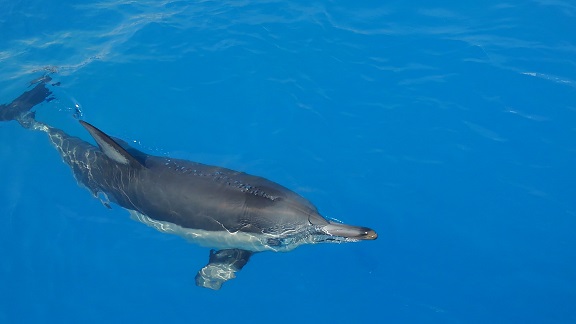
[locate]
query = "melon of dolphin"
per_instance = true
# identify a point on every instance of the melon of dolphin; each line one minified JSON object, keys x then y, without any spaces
{"x":233,"y":213}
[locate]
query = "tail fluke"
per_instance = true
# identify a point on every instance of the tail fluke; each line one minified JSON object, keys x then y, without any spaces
{"x":20,"y":106}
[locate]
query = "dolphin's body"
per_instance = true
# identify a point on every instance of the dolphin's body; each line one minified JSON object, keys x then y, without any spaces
{"x":233,"y":212}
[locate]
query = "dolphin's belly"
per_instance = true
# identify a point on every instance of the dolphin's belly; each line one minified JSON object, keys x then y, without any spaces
{"x":254,"y":242}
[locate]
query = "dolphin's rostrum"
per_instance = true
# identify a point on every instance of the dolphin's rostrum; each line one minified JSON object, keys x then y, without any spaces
{"x":234,"y":213}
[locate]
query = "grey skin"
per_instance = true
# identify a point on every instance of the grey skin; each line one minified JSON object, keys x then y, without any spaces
{"x":233,"y":212}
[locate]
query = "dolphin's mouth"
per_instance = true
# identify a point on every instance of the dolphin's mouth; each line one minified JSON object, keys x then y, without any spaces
{"x":348,"y":233}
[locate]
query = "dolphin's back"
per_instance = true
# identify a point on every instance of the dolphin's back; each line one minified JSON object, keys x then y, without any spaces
{"x":195,"y":195}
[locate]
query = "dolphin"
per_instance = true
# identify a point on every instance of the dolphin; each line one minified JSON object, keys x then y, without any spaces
{"x":233,"y":213}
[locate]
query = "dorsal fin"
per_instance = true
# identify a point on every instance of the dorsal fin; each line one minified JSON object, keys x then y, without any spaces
{"x":110,"y":148}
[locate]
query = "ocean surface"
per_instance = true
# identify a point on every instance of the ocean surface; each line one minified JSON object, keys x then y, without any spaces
{"x":449,"y":127}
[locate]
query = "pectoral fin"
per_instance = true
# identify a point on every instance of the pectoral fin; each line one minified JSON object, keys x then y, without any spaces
{"x":222,"y":267}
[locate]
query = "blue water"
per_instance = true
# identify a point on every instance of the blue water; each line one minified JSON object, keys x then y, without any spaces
{"x":449,"y":127}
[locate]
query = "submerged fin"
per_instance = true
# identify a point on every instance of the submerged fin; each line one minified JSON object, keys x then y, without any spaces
{"x":113,"y":150}
{"x":222,"y":267}
{"x":26,"y":101}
